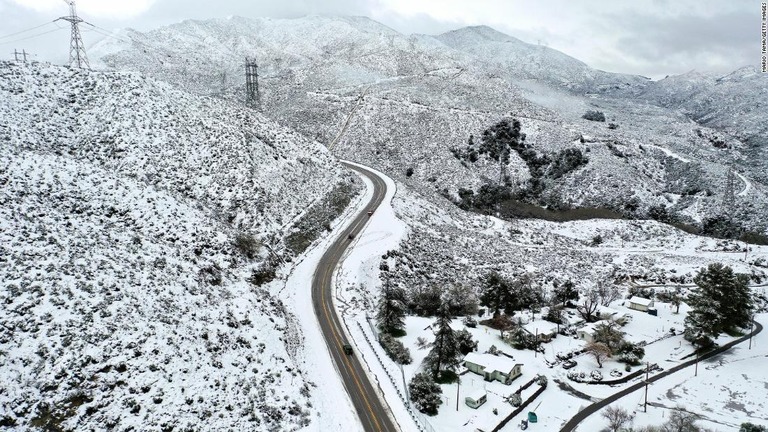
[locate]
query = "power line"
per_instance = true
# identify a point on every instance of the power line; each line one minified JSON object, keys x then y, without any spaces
{"x":27,"y":30}
{"x":30,"y":37}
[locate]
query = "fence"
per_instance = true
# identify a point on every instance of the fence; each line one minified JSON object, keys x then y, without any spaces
{"x":421,"y":420}
{"x":519,"y":409}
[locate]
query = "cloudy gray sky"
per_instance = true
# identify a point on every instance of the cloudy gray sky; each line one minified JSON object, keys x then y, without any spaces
{"x":647,"y":37}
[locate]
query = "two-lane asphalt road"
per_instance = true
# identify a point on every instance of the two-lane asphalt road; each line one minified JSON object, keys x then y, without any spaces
{"x":373,"y":412}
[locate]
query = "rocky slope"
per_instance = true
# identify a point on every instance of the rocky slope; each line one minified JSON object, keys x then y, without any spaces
{"x":132,"y":217}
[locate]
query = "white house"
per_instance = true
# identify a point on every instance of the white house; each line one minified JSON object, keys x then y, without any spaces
{"x":587,"y":333}
{"x":639,"y":303}
{"x":476,"y":398}
{"x":544,"y":330}
{"x":491,"y":367}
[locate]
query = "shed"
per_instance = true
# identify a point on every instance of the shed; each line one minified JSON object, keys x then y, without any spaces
{"x":491,"y":367}
{"x":476,"y":398}
{"x":639,"y":303}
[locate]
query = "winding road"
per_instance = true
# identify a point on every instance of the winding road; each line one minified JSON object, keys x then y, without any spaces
{"x":371,"y":409}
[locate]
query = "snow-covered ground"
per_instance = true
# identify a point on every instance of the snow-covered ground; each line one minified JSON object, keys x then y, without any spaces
{"x":728,"y":390}
{"x":125,"y":300}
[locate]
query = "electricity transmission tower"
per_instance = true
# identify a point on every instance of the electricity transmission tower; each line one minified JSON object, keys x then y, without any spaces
{"x":729,"y":198}
{"x":252,"y":94}
{"x":77,"y":57}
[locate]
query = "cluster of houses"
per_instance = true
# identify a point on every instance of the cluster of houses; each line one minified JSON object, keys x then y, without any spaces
{"x":505,"y":369}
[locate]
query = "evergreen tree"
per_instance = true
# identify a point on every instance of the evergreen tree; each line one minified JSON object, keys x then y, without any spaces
{"x":565,"y":291}
{"x":499,"y":140}
{"x":390,"y":316}
{"x":465,"y":341}
{"x":721,"y":303}
{"x":425,"y":393}
{"x":445,"y":352}
{"x":496,"y":293}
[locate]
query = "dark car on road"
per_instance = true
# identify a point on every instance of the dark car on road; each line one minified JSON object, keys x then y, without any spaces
{"x":347,"y":349}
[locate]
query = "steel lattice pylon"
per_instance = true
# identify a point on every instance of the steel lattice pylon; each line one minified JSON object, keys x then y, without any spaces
{"x":77,"y":57}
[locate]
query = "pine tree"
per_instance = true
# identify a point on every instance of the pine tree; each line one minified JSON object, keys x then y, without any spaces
{"x":721,"y":303}
{"x":445,"y":354}
{"x":390,"y":316}
{"x":425,"y":393}
{"x":466,"y":343}
{"x":496,"y":293}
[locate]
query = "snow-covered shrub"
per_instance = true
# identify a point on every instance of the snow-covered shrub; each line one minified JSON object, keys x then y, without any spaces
{"x":515,"y":399}
{"x":596,"y":375}
{"x":594,"y":115}
{"x":395,"y":349}
{"x":542,"y":380}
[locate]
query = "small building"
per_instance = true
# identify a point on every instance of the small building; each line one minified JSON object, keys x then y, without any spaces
{"x":587,"y":333}
{"x":604,"y":312}
{"x":476,"y":398}
{"x":639,"y":303}
{"x":543,"y":330}
{"x":573,"y":319}
{"x":500,"y":368}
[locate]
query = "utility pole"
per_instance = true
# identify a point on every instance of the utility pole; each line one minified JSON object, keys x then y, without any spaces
{"x":696,"y":367}
{"x":647,"y":371}
{"x":77,"y":57}
{"x":23,"y":54}
{"x":458,"y":384}
{"x":252,"y":93}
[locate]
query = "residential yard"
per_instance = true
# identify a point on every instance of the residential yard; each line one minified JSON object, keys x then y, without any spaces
{"x":555,"y":405}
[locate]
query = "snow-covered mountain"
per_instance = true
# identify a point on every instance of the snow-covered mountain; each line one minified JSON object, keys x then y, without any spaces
{"x":132,"y":216}
{"x":733,"y":103}
{"x":397,"y":102}
{"x":524,"y":61}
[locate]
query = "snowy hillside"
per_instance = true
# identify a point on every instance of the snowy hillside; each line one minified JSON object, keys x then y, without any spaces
{"x":131,"y":218}
{"x":733,"y":103}
{"x":397,"y":102}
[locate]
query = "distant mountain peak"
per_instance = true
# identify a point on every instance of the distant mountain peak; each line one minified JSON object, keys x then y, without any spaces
{"x":482,"y":32}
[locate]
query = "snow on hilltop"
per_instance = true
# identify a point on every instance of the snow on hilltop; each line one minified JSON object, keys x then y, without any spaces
{"x":125,"y":304}
{"x":407,"y":102}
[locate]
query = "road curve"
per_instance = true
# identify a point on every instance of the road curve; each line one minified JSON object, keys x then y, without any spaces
{"x":597,"y":406}
{"x":372,"y":411}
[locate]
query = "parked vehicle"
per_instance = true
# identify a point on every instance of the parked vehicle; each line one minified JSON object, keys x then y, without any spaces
{"x":569,"y":364}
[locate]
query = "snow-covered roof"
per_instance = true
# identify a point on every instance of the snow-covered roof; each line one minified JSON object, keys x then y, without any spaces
{"x":573,"y":319}
{"x":540,"y":326}
{"x":491,"y":362}
{"x":589,"y":328}
{"x":604,"y":310}
{"x":476,"y":394}
{"x":640,"y":301}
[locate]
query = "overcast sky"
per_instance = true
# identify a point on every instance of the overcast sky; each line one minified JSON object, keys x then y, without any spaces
{"x":647,"y":37}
